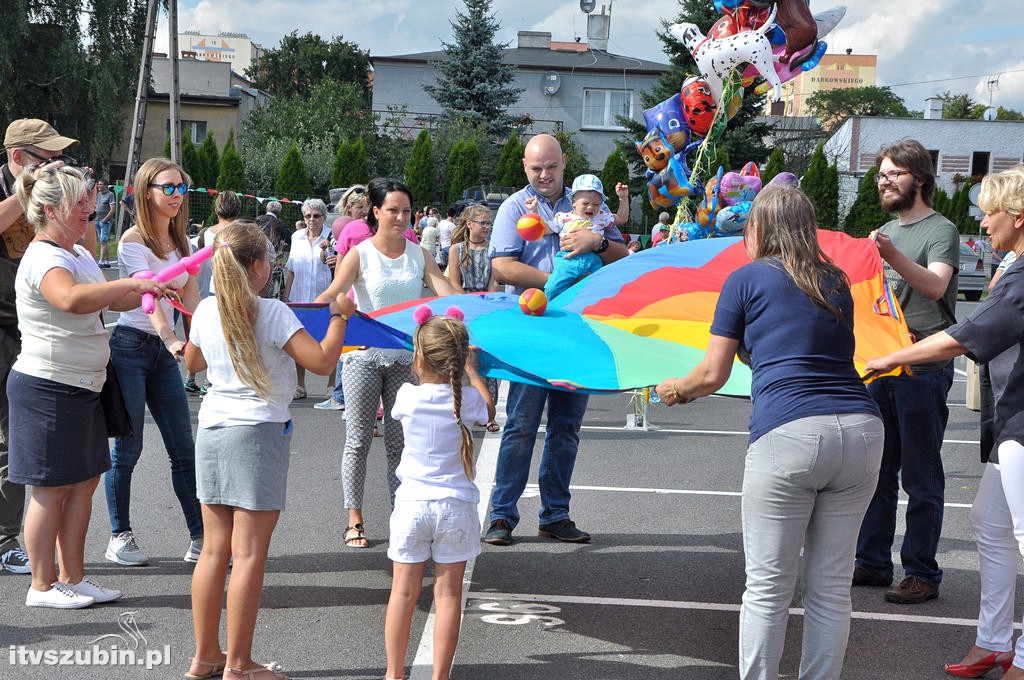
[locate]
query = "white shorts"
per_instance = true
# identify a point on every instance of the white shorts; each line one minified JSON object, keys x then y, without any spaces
{"x":447,"y":530}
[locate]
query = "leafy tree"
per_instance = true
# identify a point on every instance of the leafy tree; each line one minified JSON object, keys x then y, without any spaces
{"x":419,"y":172}
{"x":301,"y":63}
{"x":866,"y":213}
{"x":960,"y":107}
{"x":615,"y":170}
{"x":292,"y":180}
{"x":472,"y":79}
{"x":209,"y":162}
{"x":510,"y":167}
{"x":231,"y":176}
{"x":576,"y":162}
{"x":1008,"y":114}
{"x":331,"y":110}
{"x":776,"y":164}
{"x":75,"y":64}
{"x":833,"y":107}
{"x":189,"y":155}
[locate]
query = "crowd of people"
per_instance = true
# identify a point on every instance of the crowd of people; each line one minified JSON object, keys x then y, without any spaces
{"x":826,"y":453}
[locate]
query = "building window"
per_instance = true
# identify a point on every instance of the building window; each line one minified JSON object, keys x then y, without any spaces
{"x":934,"y":153}
{"x":980,"y":163}
{"x":601,"y":107}
{"x":196,"y":129}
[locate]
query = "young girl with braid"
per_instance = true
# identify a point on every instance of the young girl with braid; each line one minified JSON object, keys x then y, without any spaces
{"x":250,"y":346}
{"x":435,"y":513}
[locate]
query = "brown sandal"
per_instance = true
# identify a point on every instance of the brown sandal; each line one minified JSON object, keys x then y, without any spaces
{"x":215,"y":670}
{"x":354,"y":534}
{"x":493,"y":427}
{"x":274,"y":668}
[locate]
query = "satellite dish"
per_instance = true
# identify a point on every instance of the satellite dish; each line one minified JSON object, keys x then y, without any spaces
{"x":990,"y":113}
{"x":973,"y":192}
{"x":551,"y":83}
{"x":588,"y":6}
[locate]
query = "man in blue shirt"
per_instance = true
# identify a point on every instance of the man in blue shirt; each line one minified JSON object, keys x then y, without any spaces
{"x":520,"y":265}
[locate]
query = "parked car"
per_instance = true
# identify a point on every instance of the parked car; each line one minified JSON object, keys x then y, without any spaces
{"x":973,"y":280}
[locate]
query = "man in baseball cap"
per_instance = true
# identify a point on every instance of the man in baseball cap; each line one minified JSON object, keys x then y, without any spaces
{"x":27,"y":141}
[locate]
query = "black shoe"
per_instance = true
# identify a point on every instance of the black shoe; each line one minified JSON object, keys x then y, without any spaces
{"x":864,"y":577}
{"x":191,"y":387}
{"x":564,"y":530}
{"x":499,"y":533}
{"x":912,"y":590}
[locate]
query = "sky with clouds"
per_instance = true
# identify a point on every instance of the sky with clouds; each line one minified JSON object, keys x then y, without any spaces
{"x":924,"y":47}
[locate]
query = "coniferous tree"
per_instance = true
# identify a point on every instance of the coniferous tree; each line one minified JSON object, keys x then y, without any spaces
{"x":940,"y":201}
{"x":814,"y":180}
{"x":167,"y":147}
{"x":615,"y":170}
{"x":209,"y":162}
{"x":472,"y":79}
{"x":342,"y":159}
{"x":232,"y":172}
{"x":776,"y":164}
{"x":189,"y":155}
{"x":866,"y":213}
{"x":510,"y":166}
{"x":359,"y":166}
{"x":462,"y":170}
{"x":292,"y":180}
{"x":828,"y":209}
{"x":576,"y":162}
{"x":419,"y":171}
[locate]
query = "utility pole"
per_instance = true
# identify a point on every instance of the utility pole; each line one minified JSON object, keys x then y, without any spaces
{"x":174,"y":98}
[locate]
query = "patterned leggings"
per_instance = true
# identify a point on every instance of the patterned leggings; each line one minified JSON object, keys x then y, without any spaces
{"x":370,"y":378}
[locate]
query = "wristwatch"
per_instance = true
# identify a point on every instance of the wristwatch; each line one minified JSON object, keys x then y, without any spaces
{"x":603,"y":247}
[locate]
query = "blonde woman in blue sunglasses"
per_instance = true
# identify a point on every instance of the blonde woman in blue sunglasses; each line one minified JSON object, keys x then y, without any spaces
{"x":145,"y":350}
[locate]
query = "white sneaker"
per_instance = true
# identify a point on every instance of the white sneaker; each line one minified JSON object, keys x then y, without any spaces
{"x":195,"y":548}
{"x":329,"y":404}
{"x":59,"y":596}
{"x":89,"y":588}
{"x":124,"y":550}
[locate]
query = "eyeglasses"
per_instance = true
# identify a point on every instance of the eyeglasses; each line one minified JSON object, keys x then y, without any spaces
{"x":68,"y":160}
{"x":169,"y":188}
{"x":891,"y":176}
{"x":483,"y":223}
{"x":312,"y":216}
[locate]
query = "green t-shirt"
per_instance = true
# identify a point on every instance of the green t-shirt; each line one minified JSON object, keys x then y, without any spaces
{"x":933,"y":239}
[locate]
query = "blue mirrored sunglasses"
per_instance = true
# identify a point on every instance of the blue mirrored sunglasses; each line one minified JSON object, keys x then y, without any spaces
{"x":169,"y":189}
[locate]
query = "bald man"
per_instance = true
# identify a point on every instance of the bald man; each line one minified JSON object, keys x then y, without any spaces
{"x":520,"y":265}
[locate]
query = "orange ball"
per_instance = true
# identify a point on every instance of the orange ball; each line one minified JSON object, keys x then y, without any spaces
{"x":533,"y":302}
{"x":531,"y":226}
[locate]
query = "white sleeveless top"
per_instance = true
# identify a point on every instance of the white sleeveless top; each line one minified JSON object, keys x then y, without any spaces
{"x":382,"y":282}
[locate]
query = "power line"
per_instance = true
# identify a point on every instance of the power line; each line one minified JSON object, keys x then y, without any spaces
{"x":942,"y":80}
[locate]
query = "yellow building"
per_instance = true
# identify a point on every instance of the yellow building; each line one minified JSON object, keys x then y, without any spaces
{"x":833,"y":72}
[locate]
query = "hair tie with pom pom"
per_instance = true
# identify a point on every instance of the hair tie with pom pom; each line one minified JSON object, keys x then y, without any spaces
{"x":421,"y":314}
{"x":455,"y":313}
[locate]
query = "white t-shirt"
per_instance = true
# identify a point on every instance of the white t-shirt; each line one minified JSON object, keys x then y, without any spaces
{"x":431,"y":466}
{"x":66,"y":348}
{"x":428,"y":239}
{"x":229,"y":401}
{"x":446,"y":227}
{"x":312,"y":276}
{"x":136,"y":257}
{"x":382,"y":281}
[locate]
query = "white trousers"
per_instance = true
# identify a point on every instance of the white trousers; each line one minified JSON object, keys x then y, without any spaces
{"x":997,"y":518}
{"x":806,"y":485}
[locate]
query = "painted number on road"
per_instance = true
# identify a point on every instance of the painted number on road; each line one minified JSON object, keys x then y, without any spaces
{"x":517,"y":614}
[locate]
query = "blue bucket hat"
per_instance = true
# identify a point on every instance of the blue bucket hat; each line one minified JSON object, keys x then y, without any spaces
{"x":588,"y":183}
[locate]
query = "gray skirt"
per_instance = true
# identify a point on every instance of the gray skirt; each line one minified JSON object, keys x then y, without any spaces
{"x":244,"y":466}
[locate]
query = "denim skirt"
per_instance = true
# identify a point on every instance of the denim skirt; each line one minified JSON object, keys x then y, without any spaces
{"x":58,"y":434}
{"x":244,"y":466}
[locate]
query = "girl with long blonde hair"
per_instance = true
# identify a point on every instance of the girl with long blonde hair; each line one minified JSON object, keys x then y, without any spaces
{"x":249,"y":345}
{"x":436,"y":475}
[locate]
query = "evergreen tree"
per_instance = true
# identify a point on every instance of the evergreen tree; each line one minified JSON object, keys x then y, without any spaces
{"x":472,"y":79}
{"x":940,"y":201}
{"x":615,"y":170}
{"x":720,"y":159}
{"x":189,"y":155}
{"x":958,"y":210}
{"x":776,"y":164}
{"x":462,"y":170}
{"x":419,"y":171}
{"x":510,"y":167}
{"x":576,"y":162}
{"x":828,"y":209}
{"x":293,"y":180}
{"x":232,"y":172}
{"x":815,"y":179}
{"x":209,"y":162}
{"x":167,"y":147}
{"x":866,"y":213}
{"x":359,"y":167}
{"x":342,"y":159}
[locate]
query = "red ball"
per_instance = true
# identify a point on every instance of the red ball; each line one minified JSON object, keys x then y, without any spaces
{"x":531,"y":226}
{"x":533,"y":302}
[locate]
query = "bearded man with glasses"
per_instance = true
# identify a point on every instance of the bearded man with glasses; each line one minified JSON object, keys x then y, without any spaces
{"x":28,"y":141}
{"x":921,"y":249}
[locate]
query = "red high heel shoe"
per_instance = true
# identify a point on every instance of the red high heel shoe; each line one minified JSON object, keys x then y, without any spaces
{"x":979,"y":668}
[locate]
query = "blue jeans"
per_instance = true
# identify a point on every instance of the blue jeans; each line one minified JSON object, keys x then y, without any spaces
{"x":338,"y":394}
{"x":103,"y":230}
{"x":525,"y":406}
{"x":149,"y":376}
{"x":914,"y":413}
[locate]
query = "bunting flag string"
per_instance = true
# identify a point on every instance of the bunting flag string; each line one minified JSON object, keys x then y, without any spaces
{"x":120,"y":189}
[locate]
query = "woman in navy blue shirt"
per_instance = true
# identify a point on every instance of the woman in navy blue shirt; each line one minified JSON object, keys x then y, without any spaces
{"x":815,"y":434}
